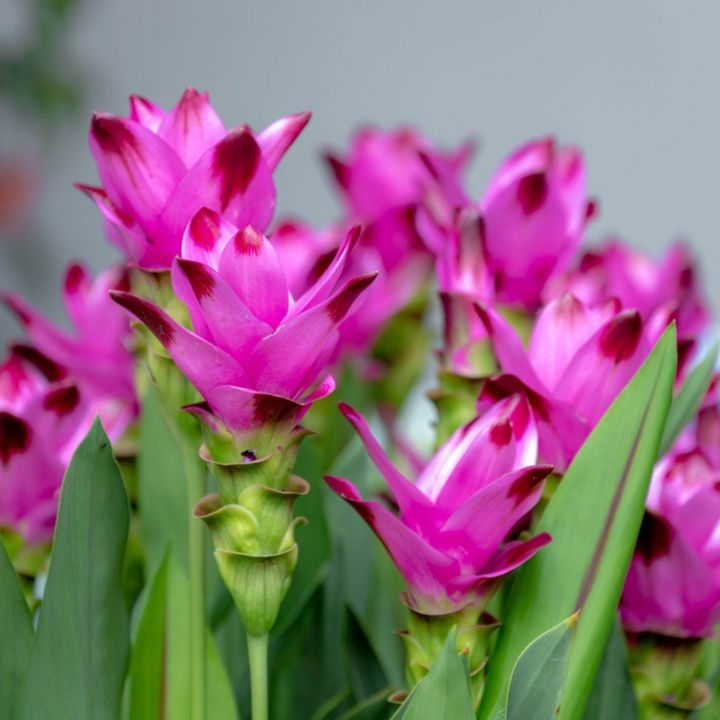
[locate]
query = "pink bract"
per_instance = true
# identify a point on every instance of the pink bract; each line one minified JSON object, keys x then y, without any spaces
{"x":451,"y":538}
{"x":159,"y":168}
{"x":253,"y":344}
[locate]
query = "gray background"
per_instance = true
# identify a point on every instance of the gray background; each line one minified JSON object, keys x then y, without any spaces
{"x":635,"y":84}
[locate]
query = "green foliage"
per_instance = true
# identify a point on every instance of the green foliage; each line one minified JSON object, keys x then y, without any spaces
{"x":536,"y":685}
{"x":16,"y":633}
{"x":584,"y":567}
{"x":444,"y":693}
{"x":79,"y":656}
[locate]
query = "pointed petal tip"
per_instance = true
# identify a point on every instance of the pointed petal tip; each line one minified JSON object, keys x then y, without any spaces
{"x":152,"y":317}
{"x":201,"y":281}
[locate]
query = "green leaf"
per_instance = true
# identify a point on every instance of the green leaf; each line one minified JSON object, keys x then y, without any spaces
{"x":365,"y":675}
{"x":79,"y":656}
{"x":164,"y":511}
{"x":159,"y":663}
{"x":594,"y":519}
{"x":612,"y":695}
{"x":536,"y":685}
{"x":688,"y":400}
{"x":445,"y":691}
{"x":16,"y":634}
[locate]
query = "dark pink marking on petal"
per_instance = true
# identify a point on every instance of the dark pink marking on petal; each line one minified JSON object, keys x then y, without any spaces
{"x":49,"y":368}
{"x":621,"y":336}
{"x":62,"y":401}
{"x":236,"y":159}
{"x":339,"y":306}
{"x":201,"y":281}
{"x":113,"y":135}
{"x":592,"y":209}
{"x":273,"y":410}
{"x":249,"y":241}
{"x":340,"y":171}
{"x":531,"y":192}
{"x":654,"y":539}
{"x":15,"y":436}
{"x":526,"y":483}
{"x":147,"y":314}
{"x":205,"y":228}
{"x":501,"y":433}
{"x":74,"y":278}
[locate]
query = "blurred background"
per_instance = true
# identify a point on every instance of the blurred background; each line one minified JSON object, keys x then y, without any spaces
{"x":634,"y":84}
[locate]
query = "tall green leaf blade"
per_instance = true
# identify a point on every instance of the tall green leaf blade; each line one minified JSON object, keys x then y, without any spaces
{"x":594,"y":520}
{"x":16,"y":634}
{"x":688,"y":400}
{"x":79,"y":656}
{"x":536,"y":685}
{"x":612,"y":695}
{"x":445,"y":691}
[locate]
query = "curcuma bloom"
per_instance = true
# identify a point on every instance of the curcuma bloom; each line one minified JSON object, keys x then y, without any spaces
{"x":673,"y":584}
{"x":254,"y":349}
{"x":450,"y":538}
{"x":42,"y":420}
{"x":535,"y":210}
{"x":578,"y":360}
{"x":159,"y":168}
{"x":95,"y":354}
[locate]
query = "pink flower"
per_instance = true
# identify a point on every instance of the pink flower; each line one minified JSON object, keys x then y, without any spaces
{"x":673,"y":585}
{"x":450,"y":539}
{"x":579,"y":358}
{"x":158,"y":169}
{"x":535,"y":210}
{"x":658,"y":289}
{"x":43,"y":418}
{"x":95,"y":354}
{"x":254,"y":347}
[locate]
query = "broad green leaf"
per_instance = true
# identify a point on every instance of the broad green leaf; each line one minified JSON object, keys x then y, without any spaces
{"x":16,"y":634}
{"x":445,"y":691}
{"x":164,"y":512}
{"x":612,"y":695}
{"x":594,"y":519}
{"x":365,"y":675}
{"x":688,"y":400}
{"x":79,"y":656}
{"x":376,"y":707}
{"x":536,"y":685}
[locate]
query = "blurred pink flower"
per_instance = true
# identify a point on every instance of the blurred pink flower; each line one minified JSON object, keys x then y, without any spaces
{"x":43,"y":418}
{"x":673,"y":585}
{"x":450,"y":538}
{"x":159,"y":168}
{"x":254,"y":348}
{"x":95,"y":354}
{"x":535,"y":210}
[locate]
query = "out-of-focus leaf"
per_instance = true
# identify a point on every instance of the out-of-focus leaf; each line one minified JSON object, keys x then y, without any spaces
{"x":536,"y":685}
{"x":78,"y":660}
{"x":376,"y":707}
{"x":612,"y":695}
{"x":365,"y":675}
{"x":688,"y":400}
{"x":445,"y":691}
{"x":594,"y":519}
{"x":164,"y":512}
{"x":16,"y":634}
{"x":159,"y":664}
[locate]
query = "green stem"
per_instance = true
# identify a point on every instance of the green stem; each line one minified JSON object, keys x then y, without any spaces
{"x":258,"y":655}
{"x":196,"y":479}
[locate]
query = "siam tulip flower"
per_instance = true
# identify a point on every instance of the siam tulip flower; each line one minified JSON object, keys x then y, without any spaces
{"x":673,"y":585}
{"x":658,"y":289}
{"x":450,"y":539}
{"x":254,"y":349}
{"x":96,"y":353}
{"x":535,"y":210}
{"x":43,"y":418}
{"x":579,"y":358}
{"x":159,"y":168}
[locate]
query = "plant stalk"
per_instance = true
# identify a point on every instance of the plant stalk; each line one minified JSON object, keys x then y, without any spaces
{"x":258,"y":655}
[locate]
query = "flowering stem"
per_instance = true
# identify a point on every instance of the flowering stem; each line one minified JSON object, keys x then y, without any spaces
{"x":196,"y":479}
{"x":258,"y":655}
